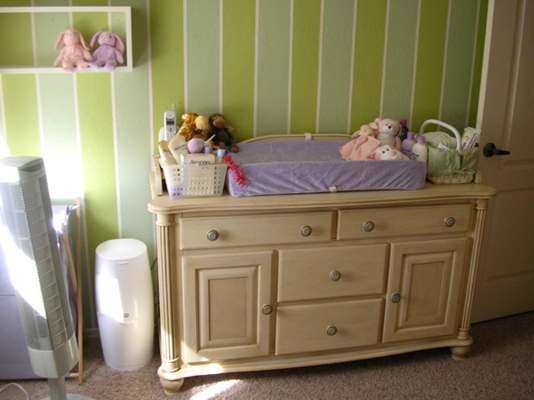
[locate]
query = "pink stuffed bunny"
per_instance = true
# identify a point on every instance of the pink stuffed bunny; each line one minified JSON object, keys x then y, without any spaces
{"x":109,"y":52}
{"x":73,"y":54}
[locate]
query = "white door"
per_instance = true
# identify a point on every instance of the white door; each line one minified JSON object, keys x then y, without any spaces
{"x":505,"y":282}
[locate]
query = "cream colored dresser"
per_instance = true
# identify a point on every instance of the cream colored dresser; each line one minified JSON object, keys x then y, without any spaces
{"x":297,"y":280}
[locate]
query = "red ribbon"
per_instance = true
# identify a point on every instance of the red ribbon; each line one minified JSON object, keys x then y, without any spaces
{"x":238,"y":171}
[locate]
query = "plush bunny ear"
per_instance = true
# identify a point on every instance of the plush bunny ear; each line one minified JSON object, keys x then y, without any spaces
{"x":59,"y":41}
{"x":81,"y":40}
{"x":95,"y":37}
{"x":118,"y":44}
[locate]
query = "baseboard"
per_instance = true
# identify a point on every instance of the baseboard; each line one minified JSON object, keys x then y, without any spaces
{"x":92,"y":333}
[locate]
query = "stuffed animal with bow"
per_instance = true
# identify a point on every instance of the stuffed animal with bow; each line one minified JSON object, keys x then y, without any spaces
{"x":75,"y":53}
{"x":109,"y":51}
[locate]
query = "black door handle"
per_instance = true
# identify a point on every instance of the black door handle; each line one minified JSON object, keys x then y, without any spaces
{"x":490,"y":150}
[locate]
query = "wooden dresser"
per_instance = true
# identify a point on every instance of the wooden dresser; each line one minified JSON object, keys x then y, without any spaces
{"x":297,"y":280}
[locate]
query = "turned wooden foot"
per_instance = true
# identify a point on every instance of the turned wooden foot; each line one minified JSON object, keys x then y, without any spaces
{"x":459,"y":352}
{"x":171,"y":387}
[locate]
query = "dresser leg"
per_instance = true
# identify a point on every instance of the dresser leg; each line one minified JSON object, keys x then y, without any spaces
{"x":459,"y":352}
{"x":171,"y":387}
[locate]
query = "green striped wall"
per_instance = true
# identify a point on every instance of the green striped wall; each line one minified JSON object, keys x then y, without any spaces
{"x":271,"y":66}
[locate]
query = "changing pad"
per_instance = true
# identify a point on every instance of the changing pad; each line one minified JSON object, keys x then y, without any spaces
{"x":287,"y":167}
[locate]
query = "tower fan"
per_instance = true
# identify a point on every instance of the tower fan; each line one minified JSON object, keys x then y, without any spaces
{"x":35,"y":269}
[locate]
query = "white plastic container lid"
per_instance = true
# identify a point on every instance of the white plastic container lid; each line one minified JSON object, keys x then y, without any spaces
{"x":121,"y":249}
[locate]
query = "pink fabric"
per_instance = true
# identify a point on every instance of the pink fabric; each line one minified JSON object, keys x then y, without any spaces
{"x":360,"y":148}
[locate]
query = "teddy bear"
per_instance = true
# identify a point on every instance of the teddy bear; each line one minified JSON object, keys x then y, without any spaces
{"x":109,"y":53}
{"x":388,"y":132}
{"x":387,"y":152}
{"x":75,"y":53}
{"x":188,"y":128}
{"x":223,"y":133}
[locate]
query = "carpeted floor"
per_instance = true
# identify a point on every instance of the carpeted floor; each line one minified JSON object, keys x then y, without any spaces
{"x":499,"y":366}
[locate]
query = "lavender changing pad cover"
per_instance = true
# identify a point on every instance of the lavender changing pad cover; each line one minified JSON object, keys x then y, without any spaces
{"x":287,"y":167}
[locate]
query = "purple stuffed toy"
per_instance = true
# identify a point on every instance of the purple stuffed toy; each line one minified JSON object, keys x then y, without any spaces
{"x":109,"y":53}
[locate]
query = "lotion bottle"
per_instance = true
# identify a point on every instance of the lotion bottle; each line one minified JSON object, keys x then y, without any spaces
{"x":407,"y":144}
{"x":419,"y":150}
{"x":165,"y":153}
{"x":178,"y":146}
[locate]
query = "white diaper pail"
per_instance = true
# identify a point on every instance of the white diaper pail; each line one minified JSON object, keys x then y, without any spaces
{"x":124,"y":303}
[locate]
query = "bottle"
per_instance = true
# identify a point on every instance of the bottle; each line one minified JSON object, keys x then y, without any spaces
{"x":178,"y":146}
{"x":165,"y":153}
{"x":419,"y":150}
{"x":407,"y":144}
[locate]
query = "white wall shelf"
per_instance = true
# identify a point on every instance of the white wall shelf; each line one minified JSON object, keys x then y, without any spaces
{"x":49,"y":53}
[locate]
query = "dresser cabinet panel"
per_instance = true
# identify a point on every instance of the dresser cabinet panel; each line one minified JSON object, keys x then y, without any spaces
{"x":425,"y":281}
{"x":219,"y":232}
{"x":224,"y":302}
{"x":373,"y":223}
{"x":328,"y":326}
{"x":298,"y":280}
{"x":319,"y":273}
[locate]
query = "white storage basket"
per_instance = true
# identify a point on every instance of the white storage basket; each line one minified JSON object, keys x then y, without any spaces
{"x":189,"y":180}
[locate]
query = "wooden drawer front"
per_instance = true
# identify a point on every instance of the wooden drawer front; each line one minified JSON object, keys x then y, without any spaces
{"x":359,"y":224}
{"x":306,"y":274}
{"x":255,"y":230}
{"x":305,"y":328}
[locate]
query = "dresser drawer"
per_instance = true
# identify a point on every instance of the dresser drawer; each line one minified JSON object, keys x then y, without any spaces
{"x":307,"y":274}
{"x":328,"y":326}
{"x":371,"y":223}
{"x":246,"y":230}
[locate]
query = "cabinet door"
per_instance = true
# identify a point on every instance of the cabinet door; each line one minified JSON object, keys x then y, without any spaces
{"x":424,"y":289}
{"x":223,"y":300}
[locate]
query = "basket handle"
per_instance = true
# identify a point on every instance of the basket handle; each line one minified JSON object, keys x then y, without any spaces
{"x":445,"y":125}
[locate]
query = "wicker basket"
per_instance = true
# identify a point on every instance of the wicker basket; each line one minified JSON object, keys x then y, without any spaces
{"x":453,"y":166}
{"x":188,"y":180}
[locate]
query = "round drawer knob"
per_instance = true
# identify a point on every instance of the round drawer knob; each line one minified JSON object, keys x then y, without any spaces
{"x":212,"y":235}
{"x":335,"y":276}
{"x":368,"y":226}
{"x":331,"y":330}
{"x":306,"y":231}
{"x":267,"y":309}
{"x":396,"y":298}
{"x":449,"y":222}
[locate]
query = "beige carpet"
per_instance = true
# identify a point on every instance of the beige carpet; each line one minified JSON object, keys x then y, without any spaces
{"x":500,"y":366}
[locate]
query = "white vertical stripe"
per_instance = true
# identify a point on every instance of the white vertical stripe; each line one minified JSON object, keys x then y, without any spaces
{"x":256,"y":56}
{"x":221,"y":56}
{"x":184,"y":21}
{"x":290,"y":76}
{"x":473,"y":62}
{"x":116,"y":153}
{"x":34,"y":39}
{"x":409,"y":122}
{"x":151,"y":114}
{"x":321,"y":32}
{"x":446,"y":51}
{"x":4,"y":152}
{"x":384,"y":62}
{"x":87,"y":277}
{"x":353,"y":52}
{"x":40,"y":113}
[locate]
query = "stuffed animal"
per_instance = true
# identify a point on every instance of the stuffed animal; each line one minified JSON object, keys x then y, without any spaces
{"x":223,"y":133}
{"x":202,"y":126}
{"x":75,"y":53}
{"x":387,"y":152}
{"x":187,"y":129}
{"x":109,"y":53}
{"x":370,"y":148}
{"x":388,"y":132}
{"x":370,"y":129}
